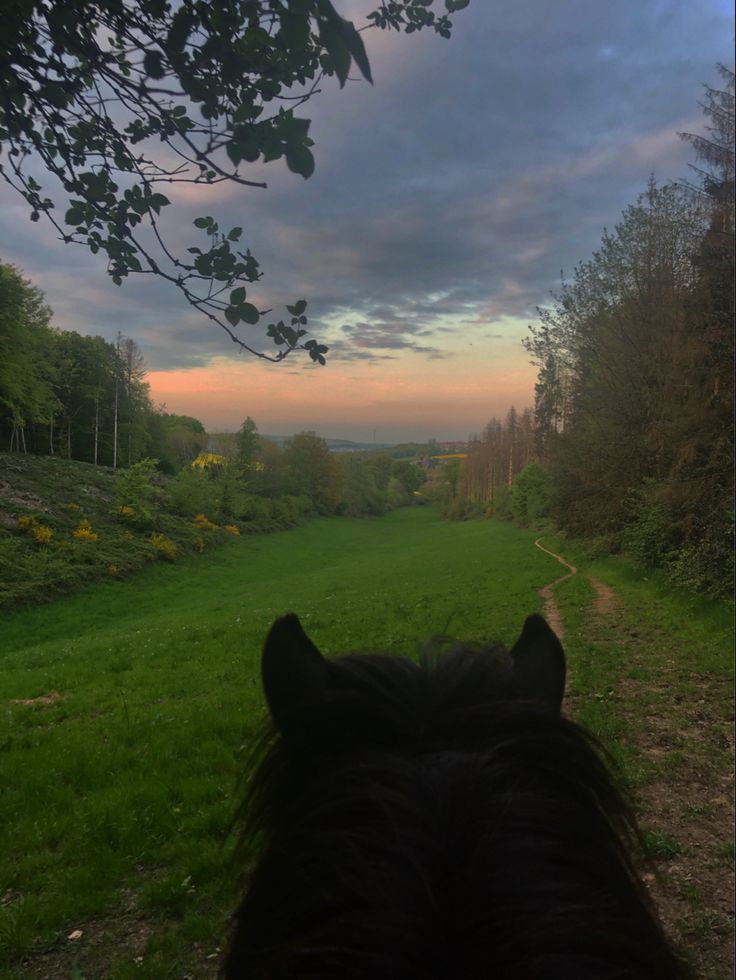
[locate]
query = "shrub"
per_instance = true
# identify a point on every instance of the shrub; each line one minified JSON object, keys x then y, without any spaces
{"x":135,"y":492}
{"x":164,"y":546}
{"x":531,"y":494}
{"x":42,"y":534}
{"x":649,"y":535}
{"x":84,"y":532}
{"x":203,"y":523}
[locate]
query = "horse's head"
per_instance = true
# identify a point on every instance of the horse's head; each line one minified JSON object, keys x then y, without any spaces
{"x":435,"y":819}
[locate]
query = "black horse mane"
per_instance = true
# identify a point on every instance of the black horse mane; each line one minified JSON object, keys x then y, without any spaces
{"x":429,"y":820}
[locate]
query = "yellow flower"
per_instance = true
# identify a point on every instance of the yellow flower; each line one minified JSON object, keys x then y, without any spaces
{"x":203,"y":523}
{"x":165,"y":547}
{"x":199,"y":545}
{"x":232,"y":529}
{"x":42,"y":534}
{"x":84,"y":532}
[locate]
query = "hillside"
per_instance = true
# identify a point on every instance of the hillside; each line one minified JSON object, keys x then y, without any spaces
{"x":64,"y":524}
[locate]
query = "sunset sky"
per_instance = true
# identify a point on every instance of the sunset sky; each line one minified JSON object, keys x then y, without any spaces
{"x":446,"y":200}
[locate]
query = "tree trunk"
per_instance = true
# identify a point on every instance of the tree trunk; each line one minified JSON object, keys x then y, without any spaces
{"x":97,"y":422}
{"x":115,"y":416}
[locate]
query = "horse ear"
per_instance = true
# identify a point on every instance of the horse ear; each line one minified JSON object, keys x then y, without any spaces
{"x":539,"y":664}
{"x":293,"y":671}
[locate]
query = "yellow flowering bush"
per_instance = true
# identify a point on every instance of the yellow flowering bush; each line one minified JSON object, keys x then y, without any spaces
{"x":203,"y":523}
{"x":127,"y":511}
{"x":206,"y":460}
{"x":84,"y":532}
{"x":113,"y":569}
{"x":165,"y":546}
{"x":199,"y":545}
{"x":71,"y":506}
{"x":41,"y":533}
{"x":26,"y":523}
{"x":232,"y":529}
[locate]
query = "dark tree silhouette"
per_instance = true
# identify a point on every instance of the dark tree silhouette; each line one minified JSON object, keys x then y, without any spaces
{"x":115,"y":98}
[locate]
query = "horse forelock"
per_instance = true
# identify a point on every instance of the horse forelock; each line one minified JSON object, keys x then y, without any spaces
{"x":420,"y":819}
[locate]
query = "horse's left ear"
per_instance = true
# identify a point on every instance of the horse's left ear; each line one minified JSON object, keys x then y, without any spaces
{"x":294,"y":672}
{"x":539,"y":664}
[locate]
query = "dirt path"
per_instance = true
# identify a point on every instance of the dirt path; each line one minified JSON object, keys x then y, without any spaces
{"x":551,"y":612}
{"x":676,"y":726}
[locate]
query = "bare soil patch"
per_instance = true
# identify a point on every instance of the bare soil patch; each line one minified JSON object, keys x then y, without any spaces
{"x":43,"y":699}
{"x":551,"y":612}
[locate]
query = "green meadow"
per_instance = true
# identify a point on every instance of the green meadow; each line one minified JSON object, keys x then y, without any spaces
{"x":127,"y":710}
{"x":119,"y":784}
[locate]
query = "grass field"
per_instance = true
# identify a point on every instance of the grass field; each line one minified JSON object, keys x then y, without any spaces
{"x":127,"y":710}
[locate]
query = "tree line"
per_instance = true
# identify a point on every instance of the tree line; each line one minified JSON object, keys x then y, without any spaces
{"x":79,"y":397}
{"x":634,"y":399}
{"x":87,"y":399}
{"x":258,"y":470}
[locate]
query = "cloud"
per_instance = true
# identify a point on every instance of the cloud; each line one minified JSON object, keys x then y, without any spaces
{"x":447,"y":196}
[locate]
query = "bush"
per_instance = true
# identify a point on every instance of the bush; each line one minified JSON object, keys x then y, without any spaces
{"x":649,"y":534}
{"x":531,"y":494}
{"x":136,"y":495}
{"x":706,"y":565}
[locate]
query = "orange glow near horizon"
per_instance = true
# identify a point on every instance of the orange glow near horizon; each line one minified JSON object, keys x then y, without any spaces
{"x":409,"y":397}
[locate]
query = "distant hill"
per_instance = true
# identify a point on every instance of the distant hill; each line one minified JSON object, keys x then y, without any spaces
{"x":338,"y":445}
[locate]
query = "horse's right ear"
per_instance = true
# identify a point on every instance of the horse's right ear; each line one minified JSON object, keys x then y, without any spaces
{"x":294,"y":672}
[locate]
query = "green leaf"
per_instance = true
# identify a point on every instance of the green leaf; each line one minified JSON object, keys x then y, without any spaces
{"x":354,"y":44}
{"x":158,"y":201}
{"x":74,"y":216}
{"x":234,"y":234}
{"x":237,"y":296}
{"x":336,"y":48}
{"x":201,"y":222}
{"x":234,"y":152}
{"x":56,"y":95}
{"x":298,"y":308}
{"x":153,"y":64}
{"x":249,"y":313}
{"x":232,"y":315}
{"x":300,"y":161}
{"x":453,"y":5}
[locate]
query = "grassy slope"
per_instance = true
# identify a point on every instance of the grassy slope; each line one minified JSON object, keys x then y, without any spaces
{"x":56,"y":494}
{"x":117,"y":795}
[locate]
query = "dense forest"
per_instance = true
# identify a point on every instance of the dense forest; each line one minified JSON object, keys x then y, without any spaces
{"x":634,"y":398}
{"x":79,"y":397}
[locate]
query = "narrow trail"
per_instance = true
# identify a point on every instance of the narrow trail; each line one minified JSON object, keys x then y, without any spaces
{"x":551,"y":611}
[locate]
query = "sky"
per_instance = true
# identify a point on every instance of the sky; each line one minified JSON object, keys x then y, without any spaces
{"x":448,"y":198}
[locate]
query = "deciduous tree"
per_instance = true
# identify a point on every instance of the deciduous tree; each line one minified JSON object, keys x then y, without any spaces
{"x":116,"y":99}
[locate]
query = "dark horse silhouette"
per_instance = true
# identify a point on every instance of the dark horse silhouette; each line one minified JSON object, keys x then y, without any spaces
{"x":436,"y":820}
